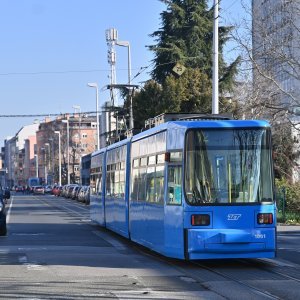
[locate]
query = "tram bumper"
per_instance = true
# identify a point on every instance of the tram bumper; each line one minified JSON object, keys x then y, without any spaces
{"x":230,"y":243}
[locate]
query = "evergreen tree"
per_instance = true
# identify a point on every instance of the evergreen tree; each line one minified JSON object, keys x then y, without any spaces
{"x":185,"y":39}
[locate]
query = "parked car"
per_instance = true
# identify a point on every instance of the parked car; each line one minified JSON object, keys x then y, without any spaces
{"x":19,"y":188}
{"x":39,"y":190}
{"x":56,"y":191}
{"x":81,"y":193}
{"x":75,"y":192}
{"x":87,"y":195}
{"x":48,"y":189}
{"x":3,"y":229}
{"x":84,"y":194}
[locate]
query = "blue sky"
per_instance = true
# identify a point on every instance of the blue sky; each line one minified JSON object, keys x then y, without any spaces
{"x":51,"y":49}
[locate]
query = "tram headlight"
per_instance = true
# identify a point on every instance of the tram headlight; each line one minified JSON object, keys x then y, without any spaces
{"x":200,"y":220}
{"x":265,"y":218}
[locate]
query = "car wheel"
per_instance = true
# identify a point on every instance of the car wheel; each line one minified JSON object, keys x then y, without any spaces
{"x":3,"y":231}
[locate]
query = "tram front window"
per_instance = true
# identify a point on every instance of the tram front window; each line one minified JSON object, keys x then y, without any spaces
{"x":228,"y":166}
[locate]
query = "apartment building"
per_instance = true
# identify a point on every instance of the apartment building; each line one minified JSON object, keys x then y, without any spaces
{"x":77,"y":136}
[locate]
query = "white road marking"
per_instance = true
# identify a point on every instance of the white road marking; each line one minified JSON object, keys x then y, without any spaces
{"x":9,"y":210}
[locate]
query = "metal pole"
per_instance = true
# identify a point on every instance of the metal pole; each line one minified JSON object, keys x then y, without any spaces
{"x":68,"y":154}
{"x":131,"y":95}
{"x":95,"y":85}
{"x":215,"y":91}
{"x":59,"y":156}
{"x":97,"y":116}
{"x":37,"y":165}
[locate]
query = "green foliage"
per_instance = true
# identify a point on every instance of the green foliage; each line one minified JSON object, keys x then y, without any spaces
{"x":147,"y":103}
{"x":186,"y":37}
{"x":189,"y":93}
{"x":292,"y":194}
{"x":283,"y":153}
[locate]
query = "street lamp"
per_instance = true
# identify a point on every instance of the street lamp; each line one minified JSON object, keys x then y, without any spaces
{"x":95,"y":85}
{"x":45,"y":164}
{"x":59,"y":156}
{"x":47,"y":157}
{"x":36,"y":165}
{"x":127,"y":44}
{"x":68,"y":152}
{"x":51,"y":155}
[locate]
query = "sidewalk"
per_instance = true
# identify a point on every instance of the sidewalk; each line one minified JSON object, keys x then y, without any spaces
{"x":288,"y":228}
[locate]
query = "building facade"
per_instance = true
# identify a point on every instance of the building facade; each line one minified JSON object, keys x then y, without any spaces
{"x":276,"y":57}
{"x":76,"y":135}
{"x":276,"y":51}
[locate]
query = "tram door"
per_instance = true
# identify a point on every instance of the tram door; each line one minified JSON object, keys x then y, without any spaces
{"x":174,"y":237}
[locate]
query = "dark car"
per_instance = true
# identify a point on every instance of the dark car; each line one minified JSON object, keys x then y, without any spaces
{"x":3,"y":229}
{"x":6,"y":194}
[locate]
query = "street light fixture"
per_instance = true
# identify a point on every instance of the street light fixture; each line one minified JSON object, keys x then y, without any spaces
{"x":59,"y":156}
{"x":48,"y":162}
{"x":36,"y":165}
{"x":95,"y":85}
{"x":45,"y":166}
{"x":51,"y":155}
{"x":127,"y":44}
{"x":68,"y":152}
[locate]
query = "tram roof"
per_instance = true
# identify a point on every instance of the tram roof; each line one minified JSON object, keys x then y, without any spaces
{"x":184,"y":124}
{"x":203,"y":124}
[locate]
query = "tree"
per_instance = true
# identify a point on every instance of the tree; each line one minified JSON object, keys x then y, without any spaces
{"x":268,"y":40}
{"x":186,"y":37}
{"x":184,"y":40}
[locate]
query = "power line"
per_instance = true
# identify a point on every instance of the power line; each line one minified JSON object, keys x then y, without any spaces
{"x":57,"y":72}
{"x":54,"y":115}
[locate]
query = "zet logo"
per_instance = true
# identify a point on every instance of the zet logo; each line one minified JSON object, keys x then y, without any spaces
{"x":233,"y":217}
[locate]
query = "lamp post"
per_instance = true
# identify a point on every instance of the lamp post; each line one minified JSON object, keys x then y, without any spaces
{"x":68,"y":152}
{"x":77,"y":108}
{"x":45,"y":164}
{"x":59,"y":156}
{"x":36,"y":165}
{"x":51,"y":153}
{"x":127,"y":44}
{"x":47,"y":157}
{"x":95,"y":85}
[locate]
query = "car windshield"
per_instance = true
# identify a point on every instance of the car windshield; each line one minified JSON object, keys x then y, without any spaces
{"x":228,"y":166}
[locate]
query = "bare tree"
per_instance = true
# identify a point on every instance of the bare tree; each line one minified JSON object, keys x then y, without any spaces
{"x":268,"y":39}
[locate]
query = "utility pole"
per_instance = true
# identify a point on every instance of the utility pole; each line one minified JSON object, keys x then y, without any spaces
{"x":215,"y":91}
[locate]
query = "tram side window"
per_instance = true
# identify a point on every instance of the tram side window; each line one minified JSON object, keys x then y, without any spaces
{"x":135,"y":184}
{"x":108,"y":185}
{"x":159,"y":184}
{"x":99,"y":185}
{"x":150,"y":183}
{"x":122,"y":183}
{"x":174,"y":185}
{"x":93,"y":184}
{"x":141,"y":183}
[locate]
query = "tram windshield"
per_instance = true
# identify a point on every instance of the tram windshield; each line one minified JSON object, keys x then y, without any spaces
{"x":228,"y":166}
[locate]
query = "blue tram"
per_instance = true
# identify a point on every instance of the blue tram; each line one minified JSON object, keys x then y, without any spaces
{"x":190,"y":189}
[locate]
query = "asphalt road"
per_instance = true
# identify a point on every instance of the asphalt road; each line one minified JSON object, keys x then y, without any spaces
{"x":54,"y":251}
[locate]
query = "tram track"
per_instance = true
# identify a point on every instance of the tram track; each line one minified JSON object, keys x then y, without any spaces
{"x":261,"y":266}
{"x":198,"y":272}
{"x":218,"y":275}
{"x":252,"y":288}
